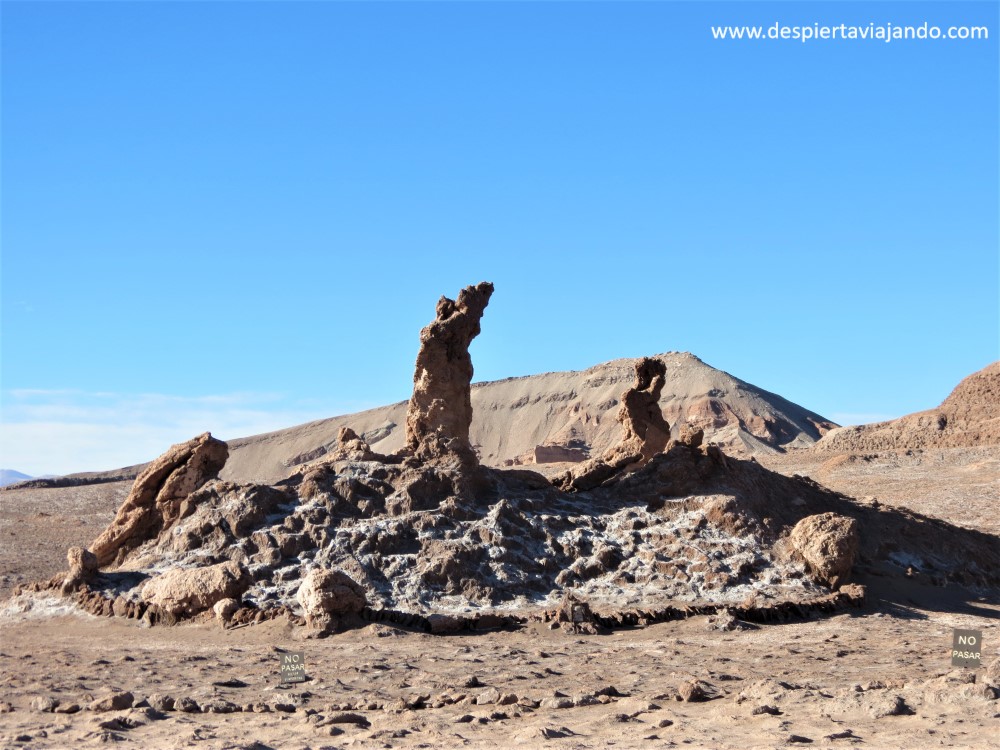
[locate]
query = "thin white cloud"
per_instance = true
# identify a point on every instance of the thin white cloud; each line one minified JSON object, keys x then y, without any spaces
{"x":855,"y":418}
{"x":65,"y":431}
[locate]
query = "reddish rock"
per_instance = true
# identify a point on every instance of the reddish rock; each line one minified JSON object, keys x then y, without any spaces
{"x":644,"y":430}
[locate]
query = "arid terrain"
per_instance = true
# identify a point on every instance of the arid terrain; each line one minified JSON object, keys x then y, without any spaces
{"x":646,"y":553}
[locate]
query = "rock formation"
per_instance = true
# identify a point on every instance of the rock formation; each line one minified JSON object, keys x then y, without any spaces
{"x":327,"y":597}
{"x":644,"y":430}
{"x":828,"y":543}
{"x":350,"y":447}
{"x":690,"y":435}
{"x":82,"y":567}
{"x":440,"y":409}
{"x":188,"y":591}
{"x":970,"y":416}
{"x":155,"y":502}
{"x":354,"y":536}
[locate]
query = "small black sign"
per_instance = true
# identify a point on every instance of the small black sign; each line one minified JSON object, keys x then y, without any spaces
{"x":293,"y":667}
{"x":966,"y":648}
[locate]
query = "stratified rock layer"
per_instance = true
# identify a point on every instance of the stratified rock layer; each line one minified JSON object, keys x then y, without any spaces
{"x":440,"y":410}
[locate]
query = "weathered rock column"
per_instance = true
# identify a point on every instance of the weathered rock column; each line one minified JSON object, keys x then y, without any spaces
{"x":440,"y":410}
{"x":644,"y":430}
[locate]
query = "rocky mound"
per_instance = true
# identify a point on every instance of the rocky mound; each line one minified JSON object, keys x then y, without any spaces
{"x":428,"y":533}
{"x":969,"y":417}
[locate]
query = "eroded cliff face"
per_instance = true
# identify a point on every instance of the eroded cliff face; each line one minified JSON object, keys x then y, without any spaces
{"x":440,"y":409}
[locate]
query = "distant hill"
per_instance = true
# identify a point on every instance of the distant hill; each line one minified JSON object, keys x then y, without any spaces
{"x":545,"y":419}
{"x":9,"y":476}
{"x":558,"y":416}
{"x":969,"y":417}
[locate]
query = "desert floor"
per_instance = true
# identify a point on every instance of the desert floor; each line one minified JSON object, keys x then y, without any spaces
{"x":880,"y":677}
{"x":877,"y":678}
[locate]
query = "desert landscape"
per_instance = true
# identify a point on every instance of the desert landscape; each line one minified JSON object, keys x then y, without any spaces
{"x":649,"y":552}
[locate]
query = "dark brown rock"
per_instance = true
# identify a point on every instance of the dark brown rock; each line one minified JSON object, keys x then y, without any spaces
{"x":440,"y":409}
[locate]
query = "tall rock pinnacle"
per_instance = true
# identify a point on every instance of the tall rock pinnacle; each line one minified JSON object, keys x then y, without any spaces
{"x":440,"y":410}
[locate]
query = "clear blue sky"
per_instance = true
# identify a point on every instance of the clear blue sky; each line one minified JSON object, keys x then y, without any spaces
{"x":237,"y":216}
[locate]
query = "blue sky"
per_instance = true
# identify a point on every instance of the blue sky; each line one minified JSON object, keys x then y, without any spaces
{"x":237,"y":216}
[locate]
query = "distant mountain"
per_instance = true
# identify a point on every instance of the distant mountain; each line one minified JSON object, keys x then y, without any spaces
{"x":557,"y":417}
{"x":9,"y":476}
{"x":551,"y":418}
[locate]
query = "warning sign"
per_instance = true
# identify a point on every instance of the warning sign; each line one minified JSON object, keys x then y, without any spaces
{"x":966,"y":648}
{"x":293,"y":667}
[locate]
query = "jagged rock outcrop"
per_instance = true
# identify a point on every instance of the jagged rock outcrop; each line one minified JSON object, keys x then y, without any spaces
{"x":828,"y":543}
{"x":328,"y":597}
{"x":969,"y":417}
{"x":155,"y":502}
{"x":188,"y":591}
{"x":440,"y":410}
{"x":350,"y":447}
{"x":644,"y":430}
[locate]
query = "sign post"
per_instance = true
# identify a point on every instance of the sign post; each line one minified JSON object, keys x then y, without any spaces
{"x":966,"y":648}
{"x":293,"y":667}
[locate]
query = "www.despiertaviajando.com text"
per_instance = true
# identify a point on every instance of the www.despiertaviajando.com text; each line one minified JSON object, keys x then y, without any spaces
{"x":872,"y":32}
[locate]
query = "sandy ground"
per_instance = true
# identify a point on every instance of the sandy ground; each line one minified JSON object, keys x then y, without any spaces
{"x":38,"y":526}
{"x":872,"y":679}
{"x":877,"y":678}
{"x":960,"y":485}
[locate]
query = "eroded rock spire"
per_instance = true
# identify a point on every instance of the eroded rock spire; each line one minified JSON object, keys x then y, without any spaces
{"x":440,"y":410}
{"x":644,"y":430}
